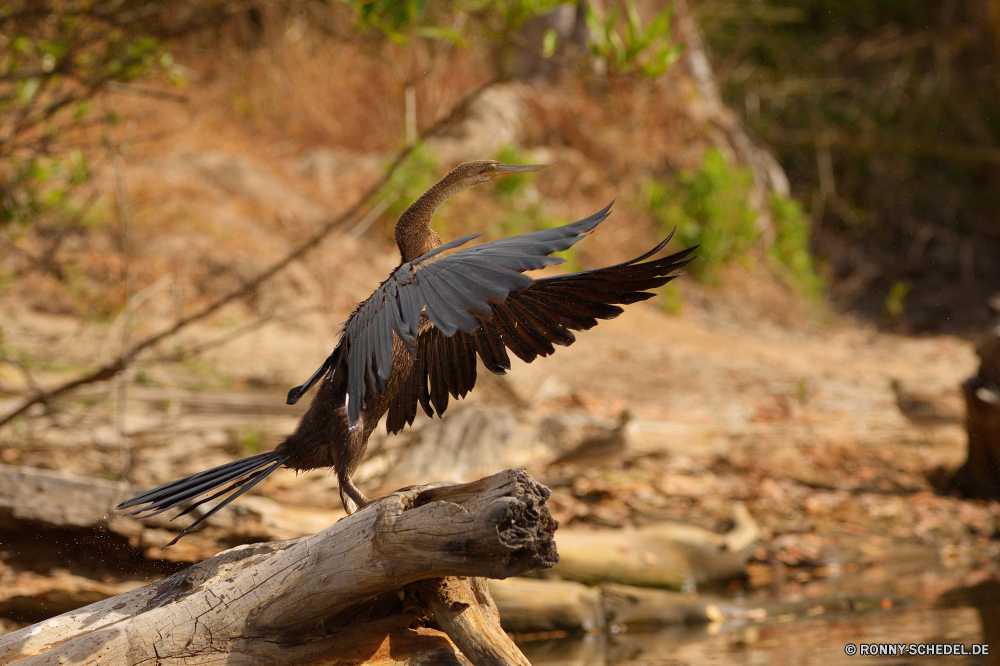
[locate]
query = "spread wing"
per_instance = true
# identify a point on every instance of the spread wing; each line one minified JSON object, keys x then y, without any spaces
{"x":528,"y":322}
{"x":452,"y":294}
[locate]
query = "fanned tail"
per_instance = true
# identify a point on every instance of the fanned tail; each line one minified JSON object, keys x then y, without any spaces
{"x":241,"y":476}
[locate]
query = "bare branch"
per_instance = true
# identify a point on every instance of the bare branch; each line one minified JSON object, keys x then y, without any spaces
{"x":182,"y":354}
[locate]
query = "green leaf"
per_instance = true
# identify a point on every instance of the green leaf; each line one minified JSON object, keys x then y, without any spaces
{"x":57,"y":48}
{"x":396,"y":37}
{"x":632,"y":48}
{"x":21,"y":44}
{"x":438,"y":32}
{"x":549,"y":42}
{"x":81,"y":109}
{"x":27,"y":89}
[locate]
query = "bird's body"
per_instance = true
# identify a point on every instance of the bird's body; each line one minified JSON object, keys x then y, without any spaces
{"x":416,"y":339}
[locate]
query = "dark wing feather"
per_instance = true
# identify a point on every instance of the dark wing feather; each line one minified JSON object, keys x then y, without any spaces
{"x":448,"y":308}
{"x":528,"y":323}
{"x":560,"y":310}
{"x":436,"y":368}
{"x":421,"y":364}
{"x":466,"y":350}
{"x":449,"y":290}
{"x":491,"y":349}
{"x":511,"y":337}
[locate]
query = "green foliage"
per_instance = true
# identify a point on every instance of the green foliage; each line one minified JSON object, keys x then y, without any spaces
{"x":894,"y":89}
{"x":802,"y":392}
{"x":522,"y":216}
{"x":514,"y":13}
{"x":632,"y":48}
{"x":391,"y":17}
{"x":38,"y":185}
{"x":143,"y":378}
{"x":508,"y":186}
{"x":707,"y":208}
{"x":550,"y":40}
{"x":61,"y":55}
{"x":251,"y":439}
{"x":410,"y":180}
{"x":241,"y":104}
{"x":671,"y":299}
{"x":534,"y":218}
{"x":400,"y":20}
{"x":523,"y":220}
{"x":56,"y":57}
{"x":204,"y":376}
{"x":895,"y":300}
{"x":790,"y":250}
{"x":39,"y":363}
{"x":415,"y":175}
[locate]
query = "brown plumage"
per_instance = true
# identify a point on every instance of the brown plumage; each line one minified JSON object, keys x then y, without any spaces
{"x":415,"y":341}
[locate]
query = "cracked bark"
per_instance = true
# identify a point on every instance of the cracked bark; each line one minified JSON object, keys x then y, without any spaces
{"x":395,"y":583}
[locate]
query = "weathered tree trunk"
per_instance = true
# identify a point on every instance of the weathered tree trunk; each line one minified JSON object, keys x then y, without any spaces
{"x":361,"y":591}
{"x":530,"y":605}
{"x":980,"y":475}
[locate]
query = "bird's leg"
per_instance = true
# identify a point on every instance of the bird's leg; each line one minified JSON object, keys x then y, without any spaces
{"x":349,"y":506}
{"x":352,"y":498}
{"x":347,"y":457}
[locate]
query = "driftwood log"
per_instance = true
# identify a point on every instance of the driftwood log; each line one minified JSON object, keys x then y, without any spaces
{"x":667,"y":555}
{"x":384,"y":585}
{"x":531,"y":606}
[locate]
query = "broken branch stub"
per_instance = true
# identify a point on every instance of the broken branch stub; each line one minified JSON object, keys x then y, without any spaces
{"x":247,"y":602}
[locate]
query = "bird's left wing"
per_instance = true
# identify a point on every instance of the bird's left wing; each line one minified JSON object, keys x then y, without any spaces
{"x":455,"y":291}
{"x":528,"y":323}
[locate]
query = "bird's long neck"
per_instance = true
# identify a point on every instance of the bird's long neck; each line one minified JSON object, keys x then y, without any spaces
{"x":413,"y":233}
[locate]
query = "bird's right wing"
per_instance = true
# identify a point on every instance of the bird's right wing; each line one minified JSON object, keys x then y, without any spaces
{"x":529,"y":322}
{"x":454,"y":291}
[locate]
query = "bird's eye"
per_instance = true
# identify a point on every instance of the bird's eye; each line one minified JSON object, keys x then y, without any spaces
{"x":491,"y":167}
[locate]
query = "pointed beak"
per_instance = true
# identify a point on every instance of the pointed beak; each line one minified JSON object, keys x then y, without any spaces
{"x":509,"y":169}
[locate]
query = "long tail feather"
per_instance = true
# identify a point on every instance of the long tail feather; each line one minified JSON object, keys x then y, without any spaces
{"x":197,"y":483}
{"x":241,"y":476}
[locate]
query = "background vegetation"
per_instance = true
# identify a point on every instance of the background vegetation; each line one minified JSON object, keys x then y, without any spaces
{"x":886,"y":117}
{"x":887,"y":129}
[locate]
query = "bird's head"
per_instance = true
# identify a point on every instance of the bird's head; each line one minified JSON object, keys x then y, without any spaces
{"x":482,"y":171}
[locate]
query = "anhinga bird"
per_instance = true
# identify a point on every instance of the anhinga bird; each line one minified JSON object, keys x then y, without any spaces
{"x":415,"y":340}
